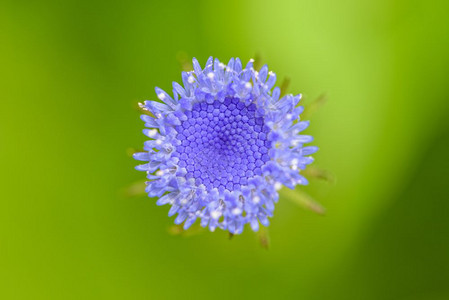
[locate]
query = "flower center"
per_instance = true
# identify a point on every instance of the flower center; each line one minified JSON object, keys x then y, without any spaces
{"x":223,"y":144}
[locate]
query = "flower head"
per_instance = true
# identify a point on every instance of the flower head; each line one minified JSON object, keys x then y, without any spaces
{"x":223,"y":146}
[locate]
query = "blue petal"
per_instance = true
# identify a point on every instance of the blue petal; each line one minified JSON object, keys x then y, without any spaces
{"x":254,"y":224}
{"x":197,"y":67}
{"x":304,"y":139}
{"x":181,"y":217}
{"x":149,"y":121}
{"x":309,"y":150}
{"x":170,"y":197}
{"x":173,"y":210}
{"x":238,"y":65}
{"x":271,"y":81}
{"x":164,"y":97}
{"x":157,"y":107}
{"x":179,"y":89}
{"x":209,"y":65}
{"x":142,"y":156}
{"x":189,"y":222}
{"x":263,"y":73}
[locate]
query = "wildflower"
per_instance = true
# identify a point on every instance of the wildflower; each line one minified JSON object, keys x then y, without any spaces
{"x":223,"y":146}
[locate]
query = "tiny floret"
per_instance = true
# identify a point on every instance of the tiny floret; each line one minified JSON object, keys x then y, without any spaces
{"x":223,"y":145}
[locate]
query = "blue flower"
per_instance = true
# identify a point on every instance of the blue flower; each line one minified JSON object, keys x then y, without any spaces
{"x":223,"y":145}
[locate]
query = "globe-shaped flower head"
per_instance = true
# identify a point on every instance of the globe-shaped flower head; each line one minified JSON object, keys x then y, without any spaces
{"x":223,"y":146}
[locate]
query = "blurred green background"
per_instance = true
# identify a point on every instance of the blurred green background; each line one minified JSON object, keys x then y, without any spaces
{"x":71,"y":75}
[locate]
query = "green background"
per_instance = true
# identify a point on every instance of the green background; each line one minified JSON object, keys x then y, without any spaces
{"x":71,"y":73}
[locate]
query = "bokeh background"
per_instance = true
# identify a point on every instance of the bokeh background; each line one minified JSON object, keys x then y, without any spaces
{"x":71,"y":75}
